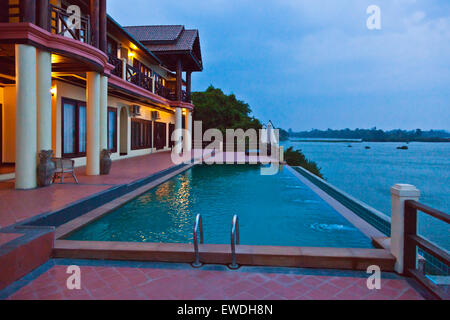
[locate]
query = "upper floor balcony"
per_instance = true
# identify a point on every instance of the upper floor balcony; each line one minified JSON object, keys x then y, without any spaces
{"x":147,"y":80}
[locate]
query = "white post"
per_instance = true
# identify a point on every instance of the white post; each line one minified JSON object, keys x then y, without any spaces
{"x":124,"y":69}
{"x":44,"y":100}
{"x":178,"y":130}
{"x":93,"y":122}
{"x":188,"y":138}
{"x":399,"y":194}
{"x":26,"y":114}
{"x":103,"y":112}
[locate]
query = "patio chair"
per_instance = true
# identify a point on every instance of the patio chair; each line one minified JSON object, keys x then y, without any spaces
{"x":63,"y":166}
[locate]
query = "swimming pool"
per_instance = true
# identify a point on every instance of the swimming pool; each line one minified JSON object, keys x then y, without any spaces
{"x":274,"y":210}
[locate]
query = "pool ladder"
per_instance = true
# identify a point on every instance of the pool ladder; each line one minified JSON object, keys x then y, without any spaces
{"x":198,"y":226}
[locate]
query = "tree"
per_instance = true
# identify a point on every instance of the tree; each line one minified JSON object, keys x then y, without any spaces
{"x":220,"y":111}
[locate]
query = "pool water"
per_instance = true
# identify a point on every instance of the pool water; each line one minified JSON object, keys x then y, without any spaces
{"x":274,"y":210}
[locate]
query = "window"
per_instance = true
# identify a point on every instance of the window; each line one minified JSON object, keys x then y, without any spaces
{"x":112,"y":130}
{"x":73,"y":128}
{"x":141,"y":134}
{"x":111,"y":47}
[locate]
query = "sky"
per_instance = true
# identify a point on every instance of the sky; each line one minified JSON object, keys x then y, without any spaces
{"x":314,"y":63}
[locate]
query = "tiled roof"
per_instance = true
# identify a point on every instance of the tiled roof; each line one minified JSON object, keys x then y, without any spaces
{"x":165,"y":38}
{"x":155,"y":33}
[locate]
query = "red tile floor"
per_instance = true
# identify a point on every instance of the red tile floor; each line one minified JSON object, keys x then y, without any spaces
{"x":17,"y":206}
{"x":125,"y":281}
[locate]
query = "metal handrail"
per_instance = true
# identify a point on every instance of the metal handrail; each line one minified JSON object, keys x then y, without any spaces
{"x":198,"y":225}
{"x":234,"y":241}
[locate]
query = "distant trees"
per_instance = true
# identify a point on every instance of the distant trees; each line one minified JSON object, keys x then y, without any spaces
{"x":377,"y":135}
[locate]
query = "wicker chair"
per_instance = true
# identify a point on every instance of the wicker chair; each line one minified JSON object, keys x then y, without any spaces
{"x":63,"y":166}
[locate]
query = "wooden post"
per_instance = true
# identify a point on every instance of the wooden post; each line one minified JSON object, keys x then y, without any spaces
{"x":43,"y":14}
{"x":410,"y":229}
{"x":94,"y":9}
{"x":188,"y":85}
{"x":179,"y":80}
{"x":28,"y":11}
{"x":103,"y":26}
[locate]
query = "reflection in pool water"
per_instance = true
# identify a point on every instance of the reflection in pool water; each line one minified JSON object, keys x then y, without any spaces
{"x":273,"y":210}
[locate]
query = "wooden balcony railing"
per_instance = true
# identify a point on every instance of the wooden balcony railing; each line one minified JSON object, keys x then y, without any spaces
{"x":136,"y":77}
{"x":60,"y":24}
{"x":430,"y":250}
{"x":118,"y":65}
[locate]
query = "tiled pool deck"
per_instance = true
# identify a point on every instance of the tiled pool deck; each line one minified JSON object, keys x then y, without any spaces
{"x":156,"y":281}
{"x":17,"y":206}
{"x":132,"y":280}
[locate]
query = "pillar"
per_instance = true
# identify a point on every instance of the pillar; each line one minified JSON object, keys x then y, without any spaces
{"x":187,"y":141}
{"x":102,"y":26}
{"x":399,"y":194}
{"x":189,"y":85}
{"x":94,"y":9}
{"x":27,"y":11}
{"x":103,"y":112}
{"x":26,"y":107}
{"x":93,"y":123}
{"x":178,"y":130}
{"x":44,"y":100}
{"x":179,"y":84}
{"x":42,"y":14}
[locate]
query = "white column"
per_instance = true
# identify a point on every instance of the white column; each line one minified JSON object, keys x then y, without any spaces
{"x":178,"y":130}
{"x":93,"y":123}
{"x":188,"y":133}
{"x":26,"y":117}
{"x":399,"y":194}
{"x":103,"y":112}
{"x":44,"y":100}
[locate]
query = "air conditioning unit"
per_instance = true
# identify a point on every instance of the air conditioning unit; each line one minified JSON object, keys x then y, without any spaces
{"x":135,"y":110}
{"x":155,"y":115}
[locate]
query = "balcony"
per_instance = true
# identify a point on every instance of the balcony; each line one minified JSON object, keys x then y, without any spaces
{"x":59,"y":24}
{"x":136,"y":77}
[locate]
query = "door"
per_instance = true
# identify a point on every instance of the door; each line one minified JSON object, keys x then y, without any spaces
{"x":171,"y":131}
{"x":160,"y":135}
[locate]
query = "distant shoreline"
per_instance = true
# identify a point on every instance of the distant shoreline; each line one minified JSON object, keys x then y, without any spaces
{"x":431,"y":140}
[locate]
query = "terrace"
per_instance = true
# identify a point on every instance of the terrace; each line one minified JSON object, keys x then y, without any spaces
{"x":141,"y":273}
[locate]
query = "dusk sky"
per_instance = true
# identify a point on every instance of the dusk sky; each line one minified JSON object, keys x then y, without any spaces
{"x":313,"y":63}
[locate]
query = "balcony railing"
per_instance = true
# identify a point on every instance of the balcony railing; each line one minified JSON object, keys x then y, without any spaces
{"x":60,"y":24}
{"x":142,"y":80}
{"x":136,"y":77}
{"x":414,"y":244}
{"x":118,"y":65}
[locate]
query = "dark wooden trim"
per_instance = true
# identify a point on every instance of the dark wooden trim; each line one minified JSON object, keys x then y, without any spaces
{"x":171,"y":131}
{"x":76,"y":153}
{"x":114,"y":149}
{"x":430,"y":211}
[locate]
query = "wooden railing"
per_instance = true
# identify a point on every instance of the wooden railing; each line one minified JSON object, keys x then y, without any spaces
{"x":136,"y":77}
{"x":414,"y":241}
{"x":60,"y":24}
{"x":118,"y":65}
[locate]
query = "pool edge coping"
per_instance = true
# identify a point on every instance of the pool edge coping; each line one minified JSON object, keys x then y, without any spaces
{"x":362,"y":225}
